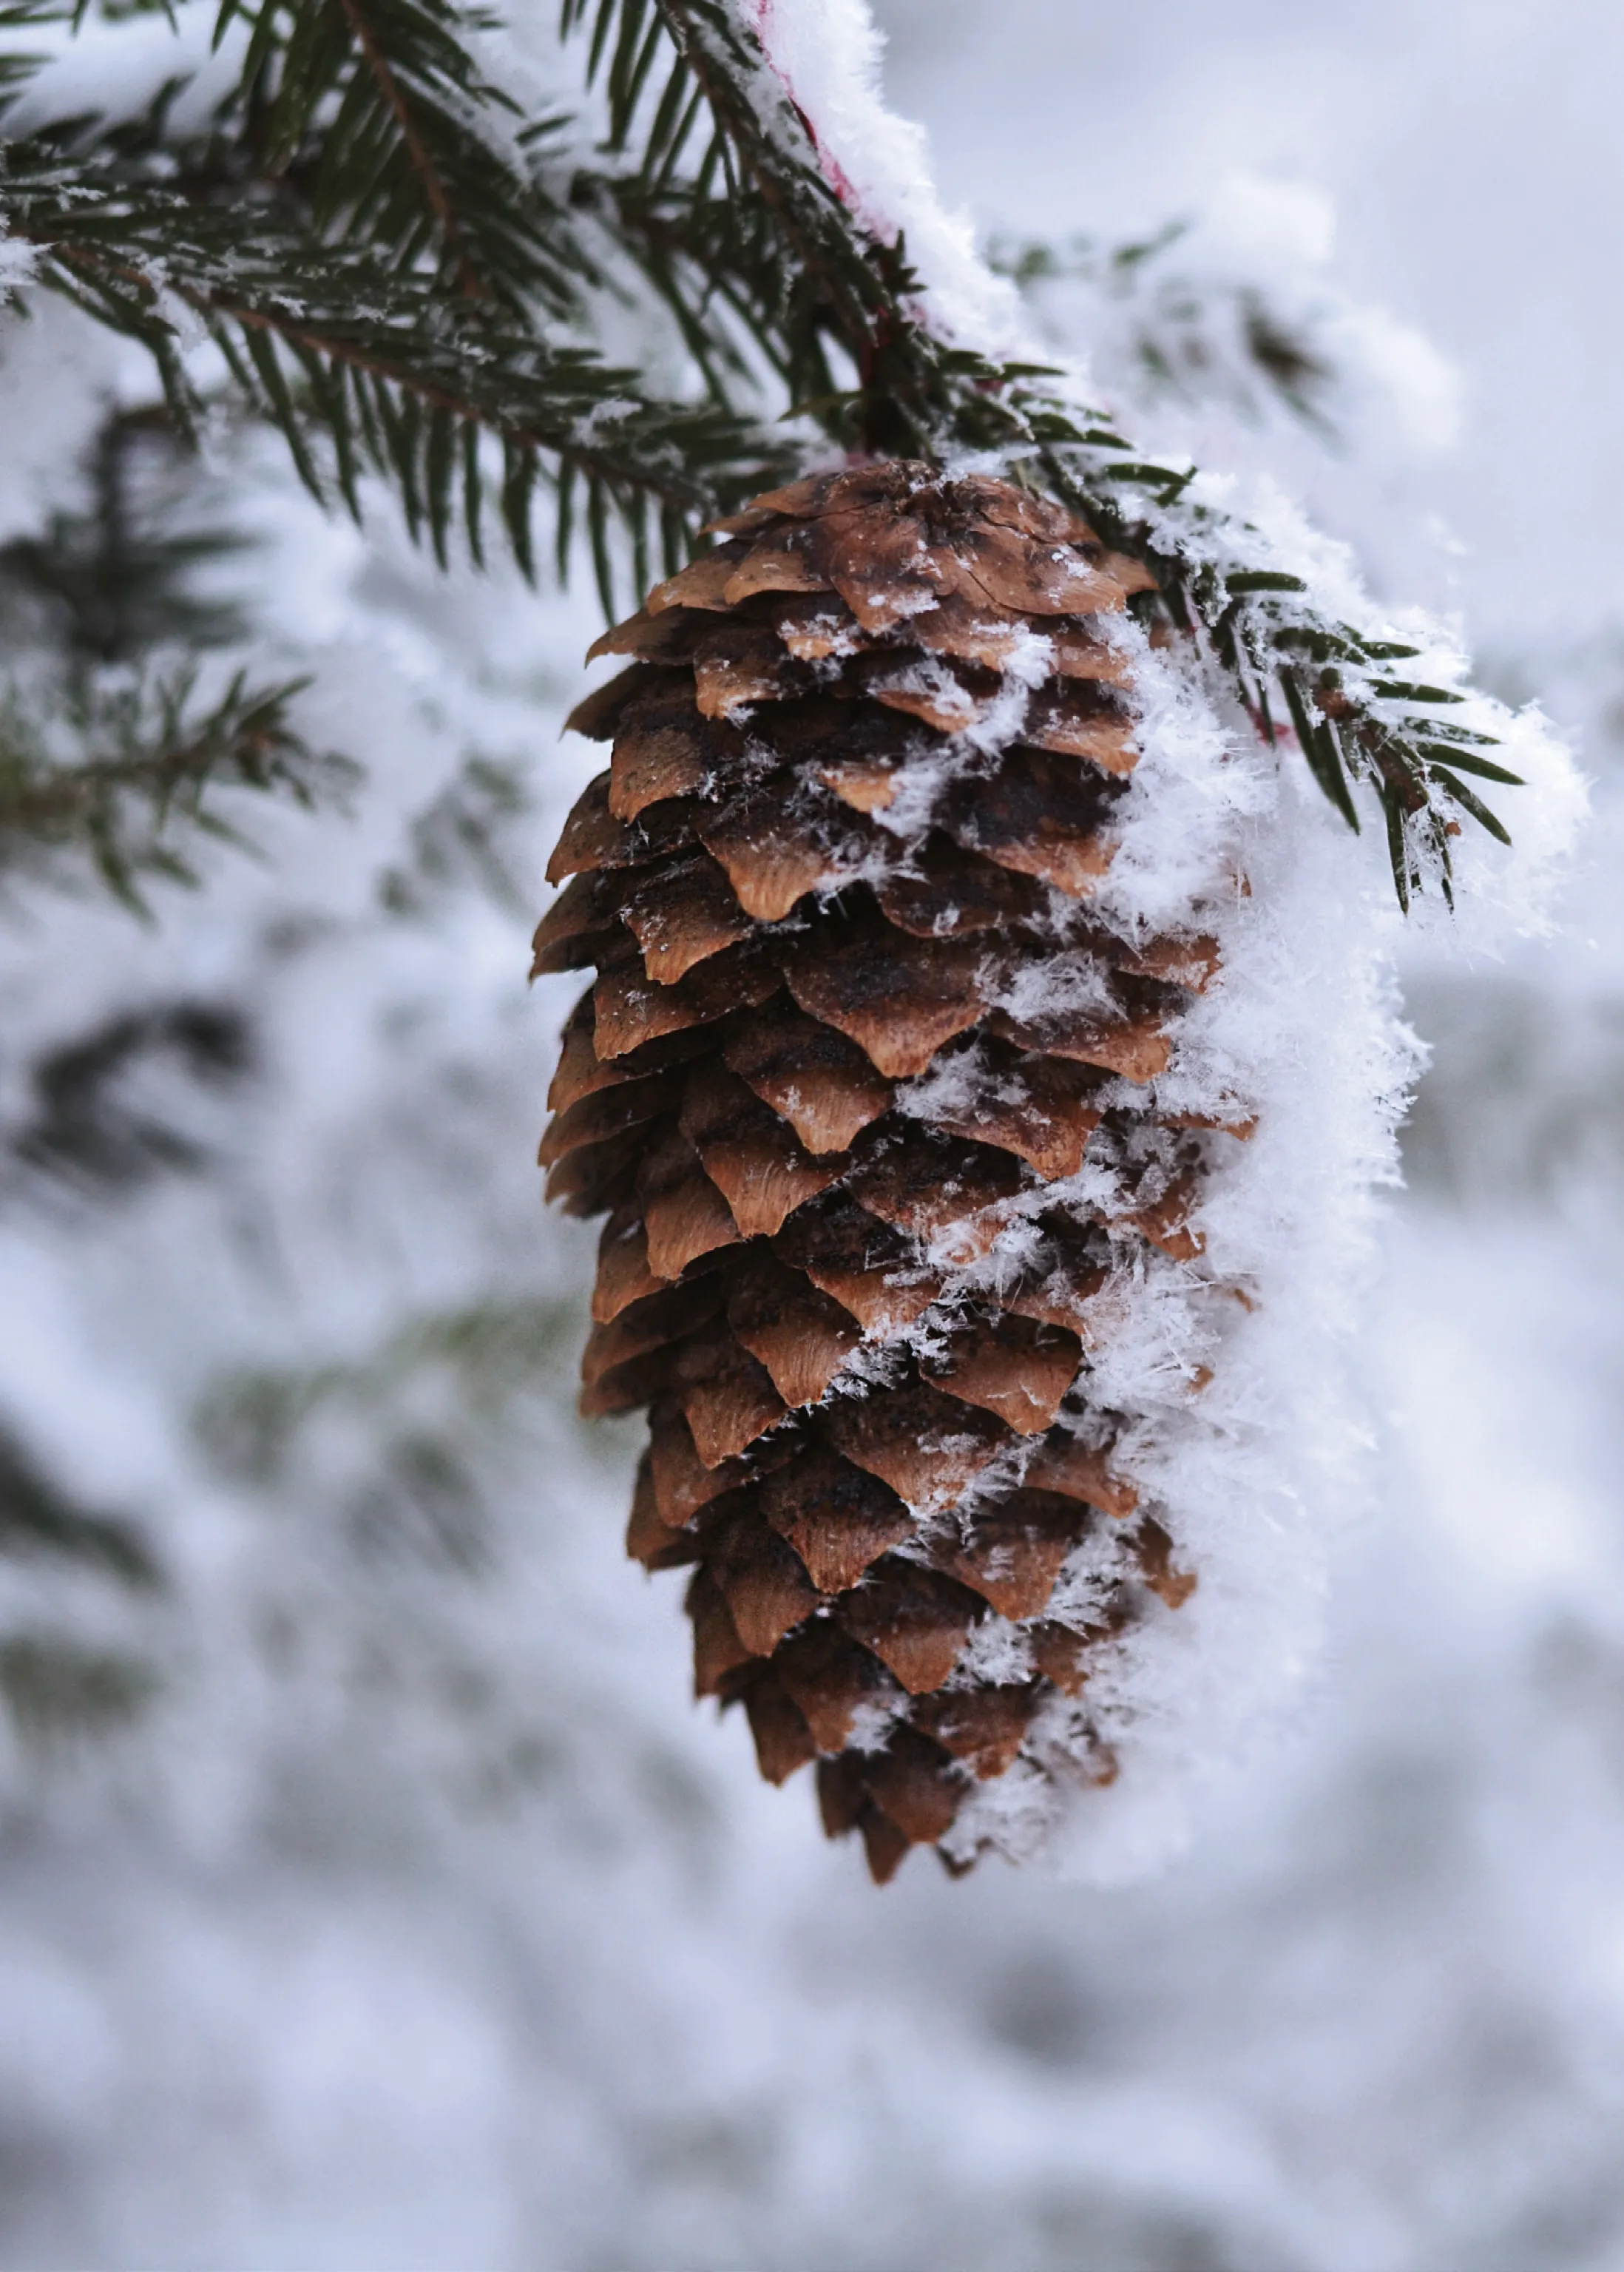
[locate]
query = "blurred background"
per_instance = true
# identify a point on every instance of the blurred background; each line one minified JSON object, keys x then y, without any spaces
{"x":373,"y":1897}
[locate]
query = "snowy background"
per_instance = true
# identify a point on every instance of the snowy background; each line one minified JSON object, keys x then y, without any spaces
{"x":373,"y":1899}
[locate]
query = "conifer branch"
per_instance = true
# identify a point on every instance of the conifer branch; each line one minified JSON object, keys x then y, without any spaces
{"x":434,"y":189}
{"x":149,"y":761}
{"x":333,"y":346}
{"x":38,"y":1520}
{"x":371,"y":118}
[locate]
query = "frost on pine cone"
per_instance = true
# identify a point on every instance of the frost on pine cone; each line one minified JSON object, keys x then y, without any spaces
{"x":870,"y":1094}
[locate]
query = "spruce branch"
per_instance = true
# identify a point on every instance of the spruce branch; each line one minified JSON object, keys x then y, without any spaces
{"x":372,"y":118}
{"x":112,"y":582}
{"x":38,"y":1520}
{"x":1189,"y":336}
{"x":434,"y":188}
{"x":803,"y":272}
{"x":334,"y":346}
{"x":146,"y":762}
{"x":112,"y":747}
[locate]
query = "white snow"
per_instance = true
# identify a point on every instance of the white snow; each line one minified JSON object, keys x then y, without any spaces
{"x":828,"y":54}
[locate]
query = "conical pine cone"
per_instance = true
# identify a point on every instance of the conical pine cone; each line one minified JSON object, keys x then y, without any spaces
{"x":869,"y":1098}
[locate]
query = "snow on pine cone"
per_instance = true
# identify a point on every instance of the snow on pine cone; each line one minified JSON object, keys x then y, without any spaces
{"x":881,"y":1086}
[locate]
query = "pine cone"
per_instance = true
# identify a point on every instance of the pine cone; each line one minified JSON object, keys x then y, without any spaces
{"x":870,"y":1099}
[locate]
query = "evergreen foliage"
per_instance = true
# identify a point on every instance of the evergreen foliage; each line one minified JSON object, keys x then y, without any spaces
{"x":410,"y":279}
{"x":39,"y":1521}
{"x":95,"y":1126}
{"x":115,"y":734}
{"x":58,"y":1690}
{"x":1181,"y":323}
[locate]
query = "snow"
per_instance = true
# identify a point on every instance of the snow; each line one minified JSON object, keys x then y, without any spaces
{"x":828,"y":54}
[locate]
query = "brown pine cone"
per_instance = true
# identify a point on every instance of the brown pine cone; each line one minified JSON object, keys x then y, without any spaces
{"x":868,"y":1097}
